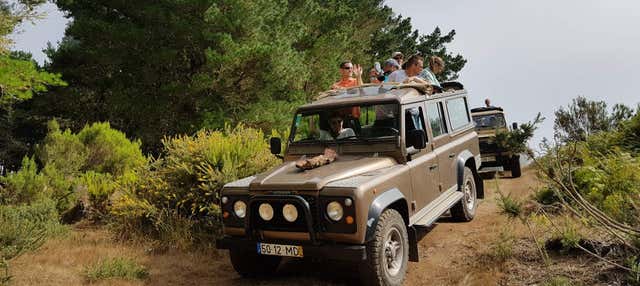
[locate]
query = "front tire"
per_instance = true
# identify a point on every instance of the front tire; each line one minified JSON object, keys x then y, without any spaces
{"x":387,"y":253}
{"x":465,"y":209}
{"x":251,"y":264}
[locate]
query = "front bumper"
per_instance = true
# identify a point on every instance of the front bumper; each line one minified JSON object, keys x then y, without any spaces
{"x":343,"y":252}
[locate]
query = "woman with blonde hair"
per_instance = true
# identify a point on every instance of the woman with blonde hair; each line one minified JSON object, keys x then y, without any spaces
{"x":436,"y":66}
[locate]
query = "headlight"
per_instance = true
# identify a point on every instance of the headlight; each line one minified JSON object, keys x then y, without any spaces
{"x":266,"y":211}
{"x":335,"y":211}
{"x":240,"y":209}
{"x":290,"y":212}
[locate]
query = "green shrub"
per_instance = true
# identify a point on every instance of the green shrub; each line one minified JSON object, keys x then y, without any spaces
{"x":185,"y":183}
{"x":24,"y":228}
{"x":109,"y":150}
{"x":509,"y":206}
{"x":515,"y":141}
{"x":61,"y":188}
{"x":24,"y":186}
{"x":118,"y":267}
{"x":62,"y":151}
{"x":545,"y":196}
{"x":502,"y":248}
{"x":99,"y":188}
{"x":611,"y":183}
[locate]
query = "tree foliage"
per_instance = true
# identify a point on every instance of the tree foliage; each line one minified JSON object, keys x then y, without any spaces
{"x":583,"y":118}
{"x":515,"y":141}
{"x":20,"y":77}
{"x":156,"y":68}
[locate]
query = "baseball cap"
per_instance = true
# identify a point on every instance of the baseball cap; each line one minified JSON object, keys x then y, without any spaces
{"x":392,"y":62}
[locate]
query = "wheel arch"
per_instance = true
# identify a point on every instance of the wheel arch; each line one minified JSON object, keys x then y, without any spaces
{"x":466,"y":159}
{"x":393,"y":199}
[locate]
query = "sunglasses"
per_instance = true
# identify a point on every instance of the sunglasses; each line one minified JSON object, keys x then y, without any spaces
{"x":347,"y":68}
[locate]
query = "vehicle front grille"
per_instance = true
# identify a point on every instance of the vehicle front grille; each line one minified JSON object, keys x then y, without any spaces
{"x":278,"y":222}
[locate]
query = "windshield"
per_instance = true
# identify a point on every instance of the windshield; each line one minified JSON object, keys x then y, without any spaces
{"x":362,"y":122}
{"x":490,"y":121}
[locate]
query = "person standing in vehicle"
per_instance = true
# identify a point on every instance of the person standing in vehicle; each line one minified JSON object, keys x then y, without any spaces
{"x":347,"y":70}
{"x":413,"y":67}
{"x":436,"y":66}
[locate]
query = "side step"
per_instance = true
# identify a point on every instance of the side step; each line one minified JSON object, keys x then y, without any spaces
{"x":429,"y":214}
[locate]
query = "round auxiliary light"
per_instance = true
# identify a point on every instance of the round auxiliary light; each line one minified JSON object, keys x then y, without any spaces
{"x":335,"y":211}
{"x":348,"y":202}
{"x":266,"y":211}
{"x":225,"y":200}
{"x":290,"y":212}
{"x":240,"y":209}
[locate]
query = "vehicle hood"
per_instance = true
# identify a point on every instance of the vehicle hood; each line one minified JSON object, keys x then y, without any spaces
{"x":288,"y":177}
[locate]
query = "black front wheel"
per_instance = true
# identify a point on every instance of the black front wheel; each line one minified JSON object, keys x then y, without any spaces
{"x":465,"y":209}
{"x":516,"y":172}
{"x":251,"y":264}
{"x":387,"y":253}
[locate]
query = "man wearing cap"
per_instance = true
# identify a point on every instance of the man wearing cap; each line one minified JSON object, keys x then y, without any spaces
{"x":413,"y":68}
{"x":389,"y":67}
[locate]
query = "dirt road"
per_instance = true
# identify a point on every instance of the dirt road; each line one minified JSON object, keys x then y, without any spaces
{"x":451,"y":254}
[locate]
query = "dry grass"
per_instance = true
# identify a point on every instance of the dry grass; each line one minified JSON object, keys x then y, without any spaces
{"x":64,"y":262}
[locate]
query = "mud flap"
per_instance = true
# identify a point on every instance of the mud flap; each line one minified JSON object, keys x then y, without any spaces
{"x":413,"y":244}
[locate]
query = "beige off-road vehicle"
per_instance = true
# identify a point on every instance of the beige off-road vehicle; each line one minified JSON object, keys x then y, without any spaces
{"x":402,"y":159}
{"x":489,"y":121}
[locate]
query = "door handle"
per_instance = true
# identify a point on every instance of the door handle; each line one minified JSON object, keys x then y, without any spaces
{"x":451,"y":155}
{"x":433,"y":167}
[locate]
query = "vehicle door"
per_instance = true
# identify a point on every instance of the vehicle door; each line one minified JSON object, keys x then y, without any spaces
{"x":439,"y":142}
{"x":459,"y":125}
{"x":423,"y":163}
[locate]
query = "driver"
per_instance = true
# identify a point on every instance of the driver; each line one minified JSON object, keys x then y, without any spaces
{"x":336,"y":132}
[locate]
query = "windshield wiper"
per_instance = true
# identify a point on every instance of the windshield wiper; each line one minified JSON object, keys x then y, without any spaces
{"x":353,"y":136}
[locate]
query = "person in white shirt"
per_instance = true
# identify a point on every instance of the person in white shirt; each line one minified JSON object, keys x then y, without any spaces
{"x":413,"y":68}
{"x":336,"y":132}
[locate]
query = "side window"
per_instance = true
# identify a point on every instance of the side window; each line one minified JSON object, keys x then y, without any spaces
{"x":458,"y":114}
{"x":413,"y":120}
{"x":435,"y":115}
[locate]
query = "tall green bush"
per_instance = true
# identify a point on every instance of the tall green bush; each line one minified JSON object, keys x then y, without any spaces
{"x":109,"y":150}
{"x":62,"y":150}
{"x":23,"y":186}
{"x":185,"y":182}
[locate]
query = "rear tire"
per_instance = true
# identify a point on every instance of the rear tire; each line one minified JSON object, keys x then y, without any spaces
{"x":516,"y":172}
{"x":465,"y":209}
{"x":387,"y":253}
{"x":251,"y":264}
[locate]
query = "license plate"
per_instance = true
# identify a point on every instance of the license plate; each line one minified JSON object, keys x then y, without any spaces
{"x":279,"y":249}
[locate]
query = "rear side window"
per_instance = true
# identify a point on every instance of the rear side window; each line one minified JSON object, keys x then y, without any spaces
{"x":458,"y":114}
{"x":436,"y":119}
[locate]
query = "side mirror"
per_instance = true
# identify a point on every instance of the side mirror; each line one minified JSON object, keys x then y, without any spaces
{"x":514,"y":125}
{"x":276,"y":145}
{"x":417,"y":138}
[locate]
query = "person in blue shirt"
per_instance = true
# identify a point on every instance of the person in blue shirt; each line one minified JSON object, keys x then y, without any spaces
{"x":436,"y":66}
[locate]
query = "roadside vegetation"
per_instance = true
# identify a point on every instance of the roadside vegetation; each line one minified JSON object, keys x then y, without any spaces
{"x":590,"y":200}
{"x":117,"y":267}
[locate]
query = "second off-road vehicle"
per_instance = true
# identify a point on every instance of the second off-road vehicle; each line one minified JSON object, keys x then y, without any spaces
{"x":489,"y":121}
{"x":364,"y":168}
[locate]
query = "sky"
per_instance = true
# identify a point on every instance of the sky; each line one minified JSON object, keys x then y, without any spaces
{"x":526,"y":56}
